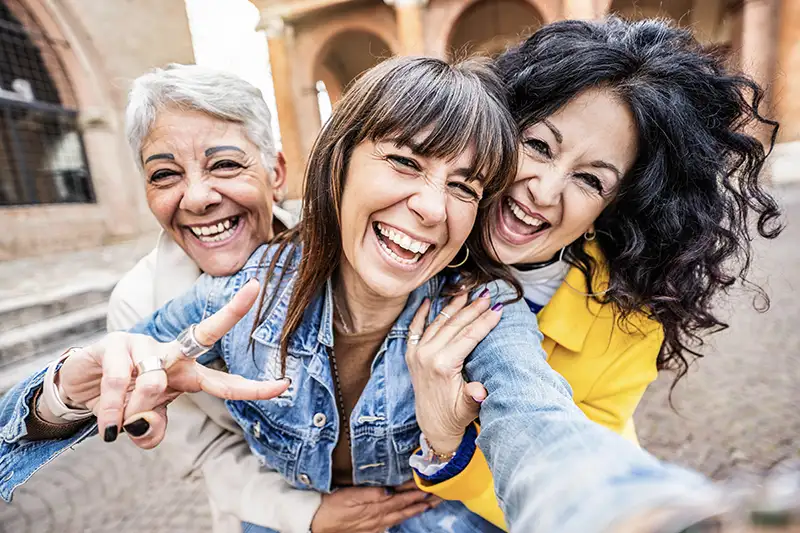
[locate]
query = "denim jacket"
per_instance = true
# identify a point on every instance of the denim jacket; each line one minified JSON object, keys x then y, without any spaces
{"x":554,"y":470}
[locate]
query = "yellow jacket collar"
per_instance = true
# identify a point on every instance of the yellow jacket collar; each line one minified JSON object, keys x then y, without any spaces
{"x":569,"y":315}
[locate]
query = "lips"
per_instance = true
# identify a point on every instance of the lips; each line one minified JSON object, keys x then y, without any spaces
{"x":217,"y":233}
{"x":516,"y":225}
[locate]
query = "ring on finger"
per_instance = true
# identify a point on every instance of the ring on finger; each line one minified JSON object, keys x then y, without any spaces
{"x":414,"y":338}
{"x":447,"y":316}
{"x":190,"y":346}
{"x":149,"y":364}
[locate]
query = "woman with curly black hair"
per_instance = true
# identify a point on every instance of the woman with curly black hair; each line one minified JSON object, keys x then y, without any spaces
{"x":631,"y":211}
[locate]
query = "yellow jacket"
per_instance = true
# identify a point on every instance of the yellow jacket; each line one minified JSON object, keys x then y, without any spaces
{"x":608,"y":366}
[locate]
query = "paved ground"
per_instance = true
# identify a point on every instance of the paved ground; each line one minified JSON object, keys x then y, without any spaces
{"x":736,"y":411}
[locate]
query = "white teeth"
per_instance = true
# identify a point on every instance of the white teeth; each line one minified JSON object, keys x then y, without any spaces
{"x":216,"y":232}
{"x":396,"y":257}
{"x":522,"y":216}
{"x":403,"y":240}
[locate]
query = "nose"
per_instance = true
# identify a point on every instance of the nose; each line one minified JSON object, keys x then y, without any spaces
{"x":546,"y":187}
{"x":429,"y":204}
{"x":199,"y":196}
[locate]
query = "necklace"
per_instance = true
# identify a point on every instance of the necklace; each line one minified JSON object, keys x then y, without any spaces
{"x":345,"y":423}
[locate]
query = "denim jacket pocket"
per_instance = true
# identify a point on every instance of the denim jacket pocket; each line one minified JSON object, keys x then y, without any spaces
{"x":266,"y":357}
{"x":278,"y":445}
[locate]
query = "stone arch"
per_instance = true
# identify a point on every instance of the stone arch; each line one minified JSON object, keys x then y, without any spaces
{"x":346,"y":55}
{"x":489,"y":26}
{"x":43,"y":157}
{"x":640,"y":9}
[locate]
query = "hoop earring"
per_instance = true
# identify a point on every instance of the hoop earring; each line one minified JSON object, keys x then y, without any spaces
{"x":462,"y":262}
{"x":590,"y":235}
{"x":561,"y":254}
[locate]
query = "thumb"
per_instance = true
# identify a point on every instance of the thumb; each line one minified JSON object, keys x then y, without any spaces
{"x":474,"y":394}
{"x":217,"y":325}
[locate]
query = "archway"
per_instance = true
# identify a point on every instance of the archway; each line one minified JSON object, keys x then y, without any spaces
{"x":640,"y":9}
{"x":343,"y":58}
{"x":42,"y":159}
{"x":489,"y":26}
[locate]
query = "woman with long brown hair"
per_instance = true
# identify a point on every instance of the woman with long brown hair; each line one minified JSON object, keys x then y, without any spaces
{"x":415,"y":150}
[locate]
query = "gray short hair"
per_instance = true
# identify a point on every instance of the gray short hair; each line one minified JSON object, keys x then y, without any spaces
{"x":219,"y":94}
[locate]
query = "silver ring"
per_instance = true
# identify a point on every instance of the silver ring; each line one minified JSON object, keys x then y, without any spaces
{"x":413,"y":338}
{"x":448,"y":317}
{"x":190,"y":347}
{"x":149,"y":364}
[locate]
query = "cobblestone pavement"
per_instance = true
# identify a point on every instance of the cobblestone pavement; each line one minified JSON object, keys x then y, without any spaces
{"x":735,"y":410}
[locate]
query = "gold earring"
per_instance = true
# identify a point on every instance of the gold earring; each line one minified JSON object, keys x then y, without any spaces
{"x":462,"y":262}
{"x":590,"y":235}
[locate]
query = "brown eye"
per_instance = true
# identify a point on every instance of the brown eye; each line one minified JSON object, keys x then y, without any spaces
{"x":464,"y":191}
{"x":592,"y":181}
{"x":404,"y":162}
{"x":162,"y":175}
{"x":539,"y":146}
{"x":226,"y":164}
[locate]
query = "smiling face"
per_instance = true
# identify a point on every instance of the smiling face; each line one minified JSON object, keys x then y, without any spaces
{"x":208,"y":188}
{"x":404,"y":216}
{"x":570,"y":168}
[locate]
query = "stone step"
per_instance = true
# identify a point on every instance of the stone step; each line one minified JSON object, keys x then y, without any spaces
{"x":13,"y":374}
{"x":30,"y":310}
{"x":20,"y":344}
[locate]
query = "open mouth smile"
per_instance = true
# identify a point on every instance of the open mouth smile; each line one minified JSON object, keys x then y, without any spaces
{"x":400,"y":247}
{"x":218,"y":232}
{"x":517,"y":225}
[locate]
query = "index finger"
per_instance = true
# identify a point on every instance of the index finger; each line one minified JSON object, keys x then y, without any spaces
{"x":217,"y":325}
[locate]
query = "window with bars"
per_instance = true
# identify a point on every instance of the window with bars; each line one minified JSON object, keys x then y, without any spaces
{"x":42,"y":158}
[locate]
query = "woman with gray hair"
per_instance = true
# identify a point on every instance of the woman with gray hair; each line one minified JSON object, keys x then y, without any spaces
{"x":203,"y":141}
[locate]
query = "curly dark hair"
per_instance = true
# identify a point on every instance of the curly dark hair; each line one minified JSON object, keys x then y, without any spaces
{"x":679,"y":231}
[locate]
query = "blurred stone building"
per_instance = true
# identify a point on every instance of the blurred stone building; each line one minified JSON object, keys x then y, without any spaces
{"x":67,"y":179}
{"x":319,"y":46}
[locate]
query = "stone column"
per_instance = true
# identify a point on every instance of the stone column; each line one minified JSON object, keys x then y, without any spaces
{"x":410,"y":27}
{"x":758,"y":49}
{"x":787,"y":79}
{"x":705,"y":19}
{"x":278,"y":40}
{"x":585,"y":9}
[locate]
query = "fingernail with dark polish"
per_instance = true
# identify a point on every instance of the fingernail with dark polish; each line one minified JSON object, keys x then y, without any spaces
{"x":110,"y":434}
{"x":484,"y":293}
{"x":287,"y":380}
{"x":497,"y":307}
{"x":137,"y":428}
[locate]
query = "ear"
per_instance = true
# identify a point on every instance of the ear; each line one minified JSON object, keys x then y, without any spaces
{"x":279,"y":178}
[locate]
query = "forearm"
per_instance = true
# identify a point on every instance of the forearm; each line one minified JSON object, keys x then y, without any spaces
{"x":21,"y":457}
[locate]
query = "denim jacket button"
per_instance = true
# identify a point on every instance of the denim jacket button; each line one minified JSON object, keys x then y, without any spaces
{"x":320,"y":419}
{"x":304,"y":479}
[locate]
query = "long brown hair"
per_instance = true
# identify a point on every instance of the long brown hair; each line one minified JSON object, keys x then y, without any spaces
{"x":457,"y":106}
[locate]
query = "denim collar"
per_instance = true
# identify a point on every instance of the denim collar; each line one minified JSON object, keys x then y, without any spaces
{"x":316,"y":329}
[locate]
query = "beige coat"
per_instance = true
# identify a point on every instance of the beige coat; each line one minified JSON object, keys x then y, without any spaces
{"x":202,"y":438}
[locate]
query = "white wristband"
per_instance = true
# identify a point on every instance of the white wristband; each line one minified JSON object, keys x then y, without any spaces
{"x":52,"y":397}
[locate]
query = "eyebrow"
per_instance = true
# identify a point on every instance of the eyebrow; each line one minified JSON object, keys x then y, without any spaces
{"x":554,"y":130}
{"x":214,"y":149}
{"x":608,"y":166}
{"x":159,"y":156}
